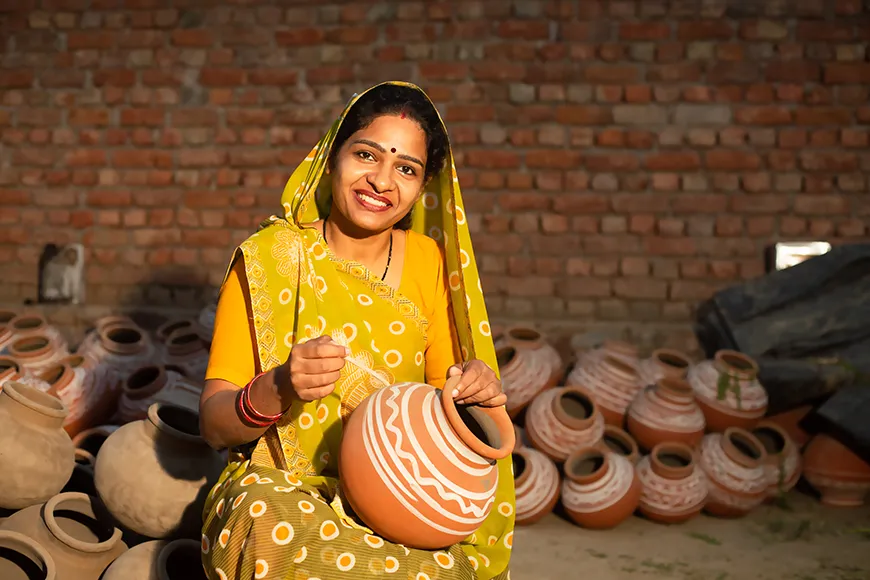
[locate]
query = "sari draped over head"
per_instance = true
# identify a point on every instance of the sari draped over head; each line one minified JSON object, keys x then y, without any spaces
{"x":299,"y":290}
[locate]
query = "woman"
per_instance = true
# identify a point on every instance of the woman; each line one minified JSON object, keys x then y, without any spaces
{"x":320,"y":308}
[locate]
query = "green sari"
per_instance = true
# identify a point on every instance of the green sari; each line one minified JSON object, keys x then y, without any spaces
{"x":279,"y":513}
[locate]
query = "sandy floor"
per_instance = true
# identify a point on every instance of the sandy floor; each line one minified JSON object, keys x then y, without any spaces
{"x":801,"y":540}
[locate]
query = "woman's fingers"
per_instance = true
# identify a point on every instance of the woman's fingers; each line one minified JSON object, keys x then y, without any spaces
{"x":316,"y":393}
{"x":318,"y":366}
{"x":480,"y":392}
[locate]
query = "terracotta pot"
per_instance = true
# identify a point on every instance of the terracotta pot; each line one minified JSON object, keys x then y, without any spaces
{"x":22,"y":558}
{"x":666,"y":411}
{"x":9,"y":370}
{"x":536,"y":481}
{"x":601,"y":489}
{"x":185,"y":350}
{"x":31,"y":324}
{"x":783,"y":463}
{"x":35,"y":353}
{"x":536,"y":344}
{"x":153,"y":474}
{"x":674,"y":487}
{"x":728,"y":391}
{"x":167,"y":328}
{"x":790,"y":421}
{"x":6,"y":336}
{"x":118,"y":348}
{"x":620,"y":442}
{"x":619,"y":349}
{"x":842,"y":478}
{"x":180,"y":391}
{"x":92,"y":336}
{"x":734,"y":462}
{"x":524,"y":374}
{"x":159,"y":560}
{"x":430,"y":448}
{"x":662,"y":363}
{"x":562,"y":420}
{"x":74,"y":531}
{"x":37,"y":455}
{"x":612,"y":382}
{"x":140,"y":391}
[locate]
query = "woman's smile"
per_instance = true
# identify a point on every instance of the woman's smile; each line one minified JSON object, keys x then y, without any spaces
{"x":372,"y":201}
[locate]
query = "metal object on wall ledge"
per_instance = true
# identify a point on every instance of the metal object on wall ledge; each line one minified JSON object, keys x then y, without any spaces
{"x":62,"y":274}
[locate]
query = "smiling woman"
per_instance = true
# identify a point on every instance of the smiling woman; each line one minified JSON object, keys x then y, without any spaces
{"x":370,"y":264}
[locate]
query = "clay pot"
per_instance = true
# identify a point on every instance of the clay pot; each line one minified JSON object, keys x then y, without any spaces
{"x":118,"y":348}
{"x":35,"y":353}
{"x":185,"y":350}
{"x":601,"y":489}
{"x":74,"y":531}
{"x":9,"y":370}
{"x":663,"y":363}
{"x":783,"y":463}
{"x":166,"y":329}
{"x":37,"y":455}
{"x":728,"y":391}
{"x":22,"y":558}
{"x":159,"y":560}
{"x":842,"y":478}
{"x":536,"y":344}
{"x":180,"y":391}
{"x":790,"y":422}
{"x":612,"y":382}
{"x":408,"y":436}
{"x":620,"y":442}
{"x":140,"y":391}
{"x":734,"y":462}
{"x":536,"y":480}
{"x":674,"y":487}
{"x":91,"y":440}
{"x":30,"y":324}
{"x":524,"y":374}
{"x":618,"y":349}
{"x":561,"y":420}
{"x":153,"y":474}
{"x":666,"y":411}
{"x":6,"y":336}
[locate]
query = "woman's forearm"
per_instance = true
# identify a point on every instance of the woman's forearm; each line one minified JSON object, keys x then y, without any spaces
{"x":220,"y":423}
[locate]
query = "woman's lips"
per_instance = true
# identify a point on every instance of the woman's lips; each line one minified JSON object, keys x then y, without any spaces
{"x":371,"y":201}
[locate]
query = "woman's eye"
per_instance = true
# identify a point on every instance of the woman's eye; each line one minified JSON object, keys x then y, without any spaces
{"x":407,"y":170}
{"x":365,"y":155}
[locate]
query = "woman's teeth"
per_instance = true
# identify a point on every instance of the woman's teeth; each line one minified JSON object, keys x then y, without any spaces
{"x":372,"y":200}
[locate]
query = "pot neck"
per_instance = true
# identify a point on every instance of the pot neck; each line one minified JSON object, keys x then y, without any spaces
{"x":674,"y":390}
{"x":184,"y":342}
{"x":178,"y":424}
{"x":672,"y":461}
{"x":58,"y":376}
{"x":79,"y":503}
{"x":33,"y":405}
{"x":742,"y":447}
{"x":494,"y":422}
{"x":735,"y":364}
{"x":574,"y":408}
{"x":526,"y":338}
{"x":671,"y":363}
{"x":586,"y":466}
{"x":145,"y":382}
{"x":187,"y":556}
{"x":122,"y":340}
{"x":31,"y":550}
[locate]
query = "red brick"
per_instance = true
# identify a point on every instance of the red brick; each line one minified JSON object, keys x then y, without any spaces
{"x":823,"y":116}
{"x":644,"y":30}
{"x":676,"y":161}
{"x":824,"y":31}
{"x":793,"y":72}
{"x":847,"y":73}
{"x":828,"y":161}
{"x":730,"y":160}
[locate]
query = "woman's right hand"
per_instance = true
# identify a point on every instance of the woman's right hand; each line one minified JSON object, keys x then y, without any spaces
{"x":315,"y":366}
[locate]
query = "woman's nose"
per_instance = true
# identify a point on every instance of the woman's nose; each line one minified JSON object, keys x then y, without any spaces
{"x":381,"y":179}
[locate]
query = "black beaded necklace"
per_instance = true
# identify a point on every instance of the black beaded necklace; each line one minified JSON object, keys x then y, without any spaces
{"x":389,"y":255}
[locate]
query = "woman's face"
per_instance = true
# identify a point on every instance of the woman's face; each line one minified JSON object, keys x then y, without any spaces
{"x":378,"y":173}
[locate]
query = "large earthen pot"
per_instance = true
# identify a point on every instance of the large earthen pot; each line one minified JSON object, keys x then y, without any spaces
{"x":783,"y":463}
{"x":537,"y":485}
{"x":186,"y":350}
{"x":665,"y":411}
{"x":601,"y":489}
{"x":22,"y":558}
{"x":153,"y":474}
{"x":420,"y":470}
{"x":36,"y":454}
{"x":159,"y":560}
{"x":562,"y":420}
{"x":841,"y":477}
{"x":728,"y":391}
{"x":737,"y":477}
{"x":674,"y":486}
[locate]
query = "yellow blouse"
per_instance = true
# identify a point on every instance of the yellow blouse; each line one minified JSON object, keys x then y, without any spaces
{"x":423,"y":282}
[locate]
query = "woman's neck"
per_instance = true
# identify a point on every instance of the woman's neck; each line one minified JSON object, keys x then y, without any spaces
{"x":350,"y":243}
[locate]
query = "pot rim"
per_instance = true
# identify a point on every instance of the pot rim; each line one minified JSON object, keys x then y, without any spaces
{"x":7,"y":316}
{"x":527,"y":336}
{"x":787,"y":441}
{"x":161,"y":425}
{"x":10,"y":364}
{"x":116,"y":347}
{"x":86,"y":455}
{"x":659,"y":355}
{"x":17,"y":353}
{"x":66,"y":376}
{"x":736,"y":455}
{"x":168,"y":328}
{"x":169,"y":548}
{"x":499,"y":416}
{"x":15,"y":323}
{"x":36,"y":400}
{"x":17,"y":540}
{"x":512,"y":359}
{"x":677,"y":390}
{"x":79,"y":500}
{"x":148,"y":389}
{"x":723,"y":356}
{"x":176,"y":346}
{"x":587,"y":452}
{"x":623,"y":437}
{"x":526,"y":454}
{"x":104,"y":430}
{"x":668,"y":471}
{"x":568,"y":421}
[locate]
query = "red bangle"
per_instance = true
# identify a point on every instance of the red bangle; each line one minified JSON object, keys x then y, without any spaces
{"x":246,"y":409}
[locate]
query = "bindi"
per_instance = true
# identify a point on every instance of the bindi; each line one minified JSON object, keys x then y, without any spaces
{"x":393,"y":150}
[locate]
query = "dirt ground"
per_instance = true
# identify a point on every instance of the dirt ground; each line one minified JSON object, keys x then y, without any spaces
{"x":797,"y":540}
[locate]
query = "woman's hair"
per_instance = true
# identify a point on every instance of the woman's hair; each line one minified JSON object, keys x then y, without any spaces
{"x":397,"y":100}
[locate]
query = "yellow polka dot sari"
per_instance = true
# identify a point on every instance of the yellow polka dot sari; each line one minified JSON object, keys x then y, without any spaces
{"x":279,"y":513}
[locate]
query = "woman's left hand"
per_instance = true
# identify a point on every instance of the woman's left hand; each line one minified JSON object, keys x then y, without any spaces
{"x":478,"y":384}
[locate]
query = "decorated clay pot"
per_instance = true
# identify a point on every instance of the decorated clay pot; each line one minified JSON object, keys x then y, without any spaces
{"x":600,"y":489}
{"x":666,"y":411}
{"x":662,"y":363}
{"x":783,"y":463}
{"x":536,"y":480}
{"x":36,"y":454}
{"x":612,"y":382}
{"x":618,"y":349}
{"x":22,"y":558}
{"x":728,"y":391}
{"x":118,"y":348}
{"x":408,"y":436}
{"x":73,"y":530}
{"x":791,"y":422}
{"x":35,"y":353}
{"x":186,"y":350}
{"x":674,"y":487}
{"x":561,"y":420}
{"x":536,"y":344}
{"x":9,"y":370}
{"x":140,"y":391}
{"x":524,"y":374}
{"x":92,"y":336}
{"x":841,"y":477}
{"x":31,"y":324}
{"x":620,"y":442}
{"x":735,"y":465}
{"x":152,"y":474}
{"x":159,"y":560}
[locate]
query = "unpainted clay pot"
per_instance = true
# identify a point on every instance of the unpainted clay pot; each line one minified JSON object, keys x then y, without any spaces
{"x":159,"y":560}
{"x":841,"y":477}
{"x":186,"y":350}
{"x":601,"y":489}
{"x":674,"y":487}
{"x":619,"y":441}
{"x":728,"y":391}
{"x":737,"y":477}
{"x":153,"y":474}
{"x":22,"y":558}
{"x":784,"y":461}
{"x":74,"y":531}
{"x":37,"y":455}
{"x":536,"y":344}
{"x":561,"y":420}
{"x":408,"y":436}
{"x":666,"y":411}
{"x":663,"y":363}
{"x":524,"y":374}
{"x":537,"y":483}
{"x":612,"y":382}
{"x":140,"y":390}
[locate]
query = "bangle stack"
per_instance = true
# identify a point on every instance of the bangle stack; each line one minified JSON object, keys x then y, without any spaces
{"x":247,"y":411}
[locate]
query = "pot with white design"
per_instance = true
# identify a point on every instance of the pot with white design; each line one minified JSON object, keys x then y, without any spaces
{"x":534,"y":344}
{"x":674,"y":486}
{"x":618,"y":441}
{"x":159,"y":560}
{"x":728,"y":391}
{"x":662,"y":363}
{"x":524,"y":375}
{"x":666,"y":411}
{"x":734,"y":462}
{"x":784,"y":461}
{"x":601,"y":489}
{"x":612,"y":382}
{"x":562,"y":420}
{"x":537,"y":481}
{"x":419,"y":469}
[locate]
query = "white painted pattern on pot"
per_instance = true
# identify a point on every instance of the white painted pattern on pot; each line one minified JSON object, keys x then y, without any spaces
{"x":670,"y":496}
{"x":537,"y":491}
{"x":686,"y":416}
{"x":523,"y":378}
{"x":730,"y":481}
{"x":615,"y":396}
{"x":401,"y":466}
{"x":789,"y":465}
{"x":600,"y":495}
{"x":559,"y":439}
{"x":704,"y":378}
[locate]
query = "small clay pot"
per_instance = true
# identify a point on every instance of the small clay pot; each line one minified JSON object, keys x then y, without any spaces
{"x":536,"y":480}
{"x":22,"y":558}
{"x":618,"y":441}
{"x":524,"y":375}
{"x":536,"y":344}
{"x":791,"y":421}
{"x":842,"y":478}
{"x":783,"y":463}
{"x":728,"y":392}
{"x":674,"y":487}
{"x":561,"y":420}
{"x":666,"y":411}
{"x":167,"y":328}
{"x":140,"y":391}
{"x":662,"y":363}
{"x":601,"y":489}
{"x":735,"y":465}
{"x":159,"y":560}
{"x":122,"y":340}
{"x":185,"y":350}
{"x":612,"y":382}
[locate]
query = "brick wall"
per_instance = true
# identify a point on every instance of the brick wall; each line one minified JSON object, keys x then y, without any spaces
{"x":620,"y":160}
